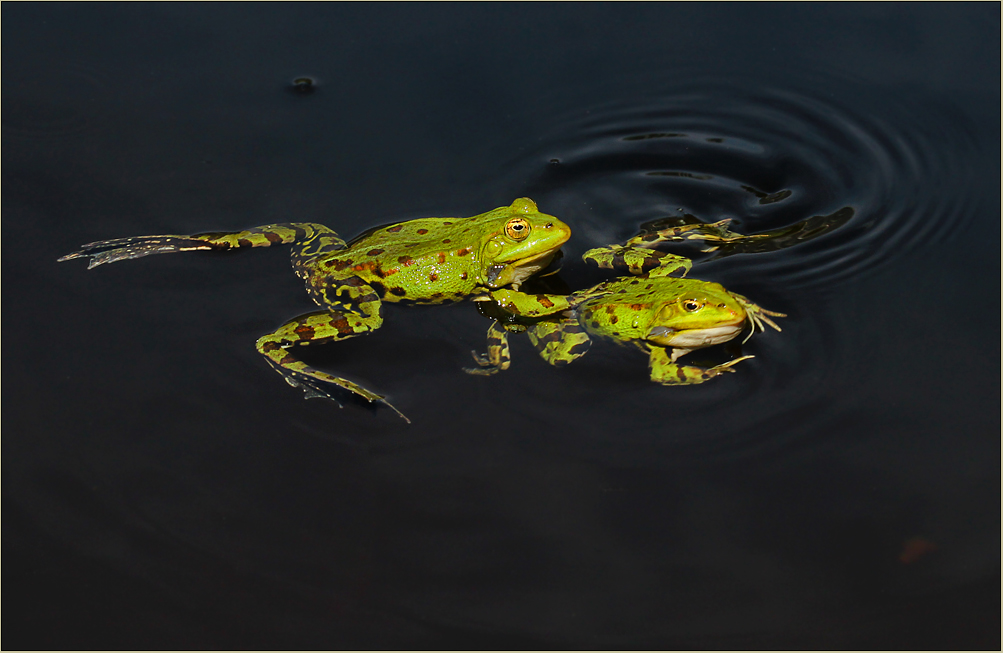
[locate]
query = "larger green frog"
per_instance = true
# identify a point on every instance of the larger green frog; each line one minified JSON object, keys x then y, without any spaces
{"x":425,"y":261}
{"x":666,"y":316}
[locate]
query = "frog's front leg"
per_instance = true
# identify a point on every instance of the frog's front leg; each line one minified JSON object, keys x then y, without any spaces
{"x":527,"y":305}
{"x":313,"y":328}
{"x":758,"y":316}
{"x":666,"y":371}
{"x":638,"y":260}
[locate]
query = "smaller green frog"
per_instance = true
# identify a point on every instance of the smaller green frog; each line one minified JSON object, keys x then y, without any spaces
{"x":423,"y":261}
{"x":666,"y":316}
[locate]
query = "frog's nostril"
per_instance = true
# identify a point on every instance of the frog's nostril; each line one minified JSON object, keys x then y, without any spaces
{"x":548,"y":225}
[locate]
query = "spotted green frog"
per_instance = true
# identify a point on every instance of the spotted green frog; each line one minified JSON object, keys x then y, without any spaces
{"x":424,"y":261}
{"x":666,"y":316}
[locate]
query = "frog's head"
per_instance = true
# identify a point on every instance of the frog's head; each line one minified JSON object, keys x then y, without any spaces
{"x":518,"y":242}
{"x":701,"y":315}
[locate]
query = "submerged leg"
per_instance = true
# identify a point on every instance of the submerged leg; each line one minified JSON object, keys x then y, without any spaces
{"x":497,"y":359}
{"x":326,"y":326}
{"x":666,"y":371}
{"x":522,"y":305}
{"x":561,"y":342}
{"x":109,"y":251}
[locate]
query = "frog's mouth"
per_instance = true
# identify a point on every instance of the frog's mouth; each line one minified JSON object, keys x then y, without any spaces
{"x":515,"y":272}
{"x":695,"y":338}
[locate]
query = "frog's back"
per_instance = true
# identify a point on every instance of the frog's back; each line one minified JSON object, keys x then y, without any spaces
{"x":638,"y":290}
{"x":421,"y":235}
{"x":429,"y":260}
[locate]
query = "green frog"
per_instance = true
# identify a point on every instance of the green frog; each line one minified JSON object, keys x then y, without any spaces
{"x":424,"y":261}
{"x":664,"y":315}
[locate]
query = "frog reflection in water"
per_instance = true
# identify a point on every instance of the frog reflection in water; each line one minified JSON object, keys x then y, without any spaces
{"x":665,"y":316}
{"x":424,"y":261}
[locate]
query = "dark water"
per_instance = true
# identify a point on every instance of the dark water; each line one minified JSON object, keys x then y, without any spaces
{"x":163,"y":488}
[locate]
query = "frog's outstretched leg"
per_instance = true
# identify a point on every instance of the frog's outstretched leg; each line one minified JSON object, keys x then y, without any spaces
{"x":652,"y":236}
{"x":561,"y":342}
{"x":638,"y":260}
{"x":320,"y":327}
{"x":313,"y":239}
{"x":498,"y":358}
{"x":666,"y":371}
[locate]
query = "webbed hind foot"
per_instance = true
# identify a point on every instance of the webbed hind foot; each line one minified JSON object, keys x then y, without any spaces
{"x":313,"y":388}
{"x":314,"y":328}
{"x":120,"y":249}
{"x":314,"y":238}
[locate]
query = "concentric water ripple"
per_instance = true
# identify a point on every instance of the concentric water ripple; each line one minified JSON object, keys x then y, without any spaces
{"x":872,"y":184}
{"x":767,"y":158}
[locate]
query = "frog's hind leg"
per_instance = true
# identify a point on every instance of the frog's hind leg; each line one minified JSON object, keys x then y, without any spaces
{"x":306,"y":253}
{"x":120,"y":249}
{"x":320,"y":327}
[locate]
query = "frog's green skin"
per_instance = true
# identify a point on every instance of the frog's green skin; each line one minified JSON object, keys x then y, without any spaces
{"x":425,"y":261}
{"x":666,"y":316}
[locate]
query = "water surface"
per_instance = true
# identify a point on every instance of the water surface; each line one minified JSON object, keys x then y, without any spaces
{"x":164,"y":489}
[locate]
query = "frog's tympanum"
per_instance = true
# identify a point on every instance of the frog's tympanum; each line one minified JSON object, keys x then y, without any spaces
{"x":663,"y":315}
{"x":424,"y":261}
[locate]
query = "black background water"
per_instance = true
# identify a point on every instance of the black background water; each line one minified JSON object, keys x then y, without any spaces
{"x":163,"y":488}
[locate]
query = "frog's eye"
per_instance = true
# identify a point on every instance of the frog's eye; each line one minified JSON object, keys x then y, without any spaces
{"x":517,"y":228}
{"x":691,"y":305}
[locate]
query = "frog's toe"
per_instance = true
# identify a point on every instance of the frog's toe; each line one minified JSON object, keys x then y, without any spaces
{"x":483,"y":371}
{"x":482,"y":360}
{"x":485,"y":366}
{"x":120,"y":249}
{"x":311,"y":390}
{"x":314,"y":391}
{"x":729,"y":366}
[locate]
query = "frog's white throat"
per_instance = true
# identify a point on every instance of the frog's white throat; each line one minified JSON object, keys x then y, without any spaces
{"x":694,"y":338}
{"x":515,"y":272}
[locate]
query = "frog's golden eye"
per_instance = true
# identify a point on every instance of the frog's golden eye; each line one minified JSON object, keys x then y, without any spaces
{"x":691,"y":305}
{"x":517,"y":228}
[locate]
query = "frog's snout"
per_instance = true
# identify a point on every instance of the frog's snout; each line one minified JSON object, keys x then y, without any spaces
{"x":563,"y":231}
